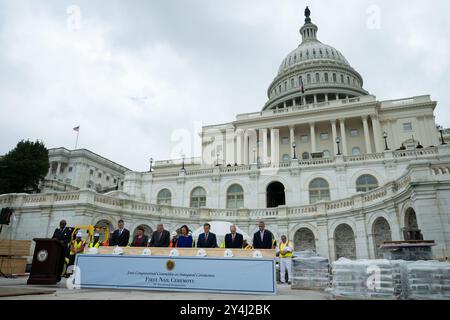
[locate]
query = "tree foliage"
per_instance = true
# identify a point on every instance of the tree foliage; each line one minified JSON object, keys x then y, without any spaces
{"x":22,"y":168}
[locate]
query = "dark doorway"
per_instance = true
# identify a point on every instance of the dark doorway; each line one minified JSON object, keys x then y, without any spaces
{"x":275,"y":195}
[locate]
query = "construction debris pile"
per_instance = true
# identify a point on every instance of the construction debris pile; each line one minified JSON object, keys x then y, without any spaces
{"x":310,"y":271}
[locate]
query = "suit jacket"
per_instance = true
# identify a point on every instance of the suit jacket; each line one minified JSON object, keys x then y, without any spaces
{"x":164,"y":241}
{"x":143,"y":243}
{"x":64,"y":235}
{"x":210,"y":243}
{"x":267,"y":240}
{"x":122,"y":240}
{"x":238,"y":241}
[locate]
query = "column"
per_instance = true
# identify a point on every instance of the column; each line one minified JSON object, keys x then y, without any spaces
{"x":292,"y":140}
{"x":334,"y":136}
{"x":343,"y":137}
{"x":293,"y":102}
{"x":337,"y":96}
{"x":246,"y":160}
{"x":312,"y":129}
{"x":304,"y":100}
{"x":366,"y":135}
{"x":58,"y":169}
{"x":264,"y":145}
{"x":239,"y":143}
{"x":376,"y":133}
{"x":315,"y":98}
{"x":274,"y":145}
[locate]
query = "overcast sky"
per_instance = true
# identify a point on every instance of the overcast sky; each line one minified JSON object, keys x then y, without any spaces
{"x":137,"y":75}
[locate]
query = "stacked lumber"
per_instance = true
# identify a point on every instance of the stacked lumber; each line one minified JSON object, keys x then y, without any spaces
{"x":13,"y":255}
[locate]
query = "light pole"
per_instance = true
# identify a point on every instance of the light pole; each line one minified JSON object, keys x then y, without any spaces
{"x":151,"y":162}
{"x":385,"y":135}
{"x":254,"y":155}
{"x":117,"y":187}
{"x":441,"y":130}
{"x":338,"y":141}
{"x":182,"y":163}
{"x":293,"y":147}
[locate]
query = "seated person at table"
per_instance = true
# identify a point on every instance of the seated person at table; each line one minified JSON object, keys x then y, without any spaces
{"x":140,"y":240}
{"x":207,"y":239}
{"x":184,"y":239}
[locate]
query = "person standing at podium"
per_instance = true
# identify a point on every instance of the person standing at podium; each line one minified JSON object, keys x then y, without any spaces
{"x":64,"y":235}
{"x":262,"y":239}
{"x":233,"y":240}
{"x":207,"y":239}
{"x":121,"y":236}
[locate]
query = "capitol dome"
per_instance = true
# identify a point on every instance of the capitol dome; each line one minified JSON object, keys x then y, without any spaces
{"x":314,"y":72}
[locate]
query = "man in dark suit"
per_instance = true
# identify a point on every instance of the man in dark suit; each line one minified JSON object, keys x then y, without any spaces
{"x":121,"y":236}
{"x":161,"y":237}
{"x":234,"y":239}
{"x":207,"y":239}
{"x":262,"y":239}
{"x":63,"y":233}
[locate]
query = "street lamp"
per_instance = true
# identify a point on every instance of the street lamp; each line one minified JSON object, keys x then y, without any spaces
{"x":254,"y":155}
{"x":117,"y":186}
{"x":182,"y":163}
{"x":441,"y":130}
{"x":151,"y":162}
{"x":338,"y":141}
{"x":385,"y":135}
{"x":293,"y":147}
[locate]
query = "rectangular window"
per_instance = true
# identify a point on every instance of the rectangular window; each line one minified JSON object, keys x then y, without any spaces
{"x":304,"y":138}
{"x":407,"y":126}
{"x":324,"y":136}
{"x":285,"y":140}
{"x":70,"y":169}
{"x":353,"y":132}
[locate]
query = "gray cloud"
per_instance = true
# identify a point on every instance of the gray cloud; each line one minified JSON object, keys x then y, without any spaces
{"x":196,"y":60}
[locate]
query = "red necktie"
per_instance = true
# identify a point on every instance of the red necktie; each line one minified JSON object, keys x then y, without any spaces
{"x":206,"y":238}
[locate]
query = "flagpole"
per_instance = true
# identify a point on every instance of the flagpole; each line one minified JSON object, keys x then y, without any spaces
{"x":76,"y":141}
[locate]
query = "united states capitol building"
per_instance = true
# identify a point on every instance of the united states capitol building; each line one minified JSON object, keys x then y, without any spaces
{"x":323,"y":162}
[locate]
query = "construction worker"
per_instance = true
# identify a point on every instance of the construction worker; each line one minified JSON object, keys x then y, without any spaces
{"x":96,"y":242}
{"x":77,"y":246}
{"x":246,"y":246}
{"x":173,"y":241}
{"x":284,"y":252}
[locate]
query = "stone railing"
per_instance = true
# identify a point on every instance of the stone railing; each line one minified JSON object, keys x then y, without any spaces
{"x":416,"y":173}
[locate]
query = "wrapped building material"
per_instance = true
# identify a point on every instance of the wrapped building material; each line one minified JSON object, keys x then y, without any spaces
{"x":428,"y":280}
{"x":367,"y":279}
{"x":310,"y":271}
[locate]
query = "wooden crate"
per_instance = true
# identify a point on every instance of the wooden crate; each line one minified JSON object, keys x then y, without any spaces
{"x":10,"y":265}
{"x":16,"y":248}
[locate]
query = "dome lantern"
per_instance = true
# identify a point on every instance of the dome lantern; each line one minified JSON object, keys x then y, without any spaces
{"x":309,"y":30}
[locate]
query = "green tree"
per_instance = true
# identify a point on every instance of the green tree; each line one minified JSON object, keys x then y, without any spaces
{"x":22,"y":168}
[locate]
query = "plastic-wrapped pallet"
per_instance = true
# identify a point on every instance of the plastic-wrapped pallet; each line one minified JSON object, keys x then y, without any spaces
{"x":310,"y":271}
{"x":366,"y":279}
{"x":428,"y":280}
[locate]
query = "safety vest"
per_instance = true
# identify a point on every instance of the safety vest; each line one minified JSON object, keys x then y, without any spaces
{"x":248,"y":247}
{"x":222,"y":244}
{"x":96,"y":245}
{"x":77,"y":245}
{"x":284,"y":245}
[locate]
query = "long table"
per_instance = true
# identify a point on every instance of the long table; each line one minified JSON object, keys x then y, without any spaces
{"x":241,"y":273}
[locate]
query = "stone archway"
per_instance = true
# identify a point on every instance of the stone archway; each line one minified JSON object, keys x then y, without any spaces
{"x":275,"y":195}
{"x":147,"y":231}
{"x":381,"y":232}
{"x":344,"y":242}
{"x":411,"y":230}
{"x":304,"y":239}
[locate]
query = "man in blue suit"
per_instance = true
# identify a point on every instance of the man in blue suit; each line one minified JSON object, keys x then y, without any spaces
{"x":207,"y":239}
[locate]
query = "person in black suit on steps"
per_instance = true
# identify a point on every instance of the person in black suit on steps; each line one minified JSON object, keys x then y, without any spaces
{"x":207,"y":239}
{"x":262,"y":239}
{"x":121,"y":236}
{"x":233,"y":240}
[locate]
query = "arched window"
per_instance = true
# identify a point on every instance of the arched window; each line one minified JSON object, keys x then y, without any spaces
{"x":334,"y":77}
{"x":286,"y":158}
{"x":308,"y":78}
{"x":198,"y":197}
{"x":319,"y":190}
{"x":317,"y":78}
{"x":164,"y":197}
{"x":366,"y":183}
{"x":342,"y":78}
{"x":356,"y":151}
{"x":326,"y":77}
{"x":235,"y":197}
{"x":305,"y":155}
{"x":292,"y":83}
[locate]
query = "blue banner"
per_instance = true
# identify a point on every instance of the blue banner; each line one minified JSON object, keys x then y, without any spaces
{"x":202,"y":274}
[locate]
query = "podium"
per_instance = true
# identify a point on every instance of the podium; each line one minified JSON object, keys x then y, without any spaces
{"x":48,"y":261}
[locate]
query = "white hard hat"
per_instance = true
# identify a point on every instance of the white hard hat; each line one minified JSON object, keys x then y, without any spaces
{"x":96,"y":234}
{"x":174,"y":234}
{"x":79,"y":234}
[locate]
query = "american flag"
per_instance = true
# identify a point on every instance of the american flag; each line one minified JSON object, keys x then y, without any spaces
{"x":77,"y":129}
{"x":302,"y":87}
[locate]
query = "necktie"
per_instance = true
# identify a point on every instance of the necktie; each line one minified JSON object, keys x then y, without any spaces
{"x":206,"y":238}
{"x":262,"y":236}
{"x":120,"y":232}
{"x":232,"y":237}
{"x":159,"y":235}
